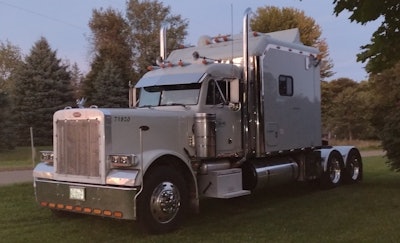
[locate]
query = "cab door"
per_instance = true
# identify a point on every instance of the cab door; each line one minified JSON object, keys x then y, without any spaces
{"x":222,"y":101}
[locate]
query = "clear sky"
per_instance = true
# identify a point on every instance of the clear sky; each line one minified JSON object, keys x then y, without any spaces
{"x":65,"y":25}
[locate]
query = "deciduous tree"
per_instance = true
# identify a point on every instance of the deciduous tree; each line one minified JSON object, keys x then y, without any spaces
{"x":342,"y":101}
{"x":145,"y":19}
{"x":6,"y":125}
{"x":386,"y":112}
{"x":384,"y":51}
{"x":269,"y":19}
{"x":110,"y":44}
{"x":10,"y":60}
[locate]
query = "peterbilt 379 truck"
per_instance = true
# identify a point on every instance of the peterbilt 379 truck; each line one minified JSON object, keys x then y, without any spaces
{"x":221,"y":119}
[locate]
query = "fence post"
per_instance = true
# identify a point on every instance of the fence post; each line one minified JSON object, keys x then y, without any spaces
{"x":33,"y":148}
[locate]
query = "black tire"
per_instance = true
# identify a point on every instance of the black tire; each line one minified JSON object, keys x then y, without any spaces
{"x":353,"y":171}
{"x":333,"y":174}
{"x":163,"y":203}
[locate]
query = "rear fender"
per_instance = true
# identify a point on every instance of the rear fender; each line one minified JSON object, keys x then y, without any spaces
{"x":344,"y":151}
{"x":325,"y":152}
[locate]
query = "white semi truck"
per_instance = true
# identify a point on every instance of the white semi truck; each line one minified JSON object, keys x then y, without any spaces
{"x":221,"y":119}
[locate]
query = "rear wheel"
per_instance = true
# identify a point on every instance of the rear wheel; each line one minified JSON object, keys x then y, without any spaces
{"x":163,"y":202}
{"x":333,"y":174}
{"x":353,"y":170}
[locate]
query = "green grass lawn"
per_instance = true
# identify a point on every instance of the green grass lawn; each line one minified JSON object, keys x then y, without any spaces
{"x":364,"y":212}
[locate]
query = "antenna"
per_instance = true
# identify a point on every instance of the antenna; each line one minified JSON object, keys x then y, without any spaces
{"x":231,"y":61}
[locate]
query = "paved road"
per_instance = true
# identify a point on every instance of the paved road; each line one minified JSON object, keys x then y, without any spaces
{"x":17,"y":176}
{"x":20,"y":176}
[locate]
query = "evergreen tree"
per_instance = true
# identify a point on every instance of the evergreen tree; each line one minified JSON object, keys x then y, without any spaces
{"x":76,"y":80}
{"x":6,"y":126}
{"x":42,"y":86}
{"x":110,"y":89}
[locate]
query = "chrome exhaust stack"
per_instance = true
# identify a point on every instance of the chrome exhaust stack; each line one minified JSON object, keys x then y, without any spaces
{"x":163,"y":42}
{"x":246,"y":85}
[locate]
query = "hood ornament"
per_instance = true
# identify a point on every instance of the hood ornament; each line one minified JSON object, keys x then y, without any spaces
{"x":81,"y":102}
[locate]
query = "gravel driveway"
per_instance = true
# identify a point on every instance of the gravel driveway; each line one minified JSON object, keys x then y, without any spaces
{"x":16,"y":176}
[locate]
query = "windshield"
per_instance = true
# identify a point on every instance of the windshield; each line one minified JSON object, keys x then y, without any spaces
{"x":168,"y":95}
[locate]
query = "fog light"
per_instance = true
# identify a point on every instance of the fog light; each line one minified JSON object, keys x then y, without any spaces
{"x":47,"y":157}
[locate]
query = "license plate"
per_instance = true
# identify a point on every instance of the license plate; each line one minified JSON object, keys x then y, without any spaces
{"x":77,"y":193}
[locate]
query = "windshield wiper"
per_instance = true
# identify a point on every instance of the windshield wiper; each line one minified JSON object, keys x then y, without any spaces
{"x":172,"y":104}
{"x":146,"y":106}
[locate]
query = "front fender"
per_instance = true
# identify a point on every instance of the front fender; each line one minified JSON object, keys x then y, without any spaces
{"x":149,"y":157}
{"x":152,"y":157}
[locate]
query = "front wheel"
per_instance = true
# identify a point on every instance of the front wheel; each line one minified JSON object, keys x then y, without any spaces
{"x":332,"y":176}
{"x":163,"y":202}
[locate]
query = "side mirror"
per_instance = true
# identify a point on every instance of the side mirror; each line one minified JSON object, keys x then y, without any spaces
{"x":234,"y":86}
{"x":132,"y":96}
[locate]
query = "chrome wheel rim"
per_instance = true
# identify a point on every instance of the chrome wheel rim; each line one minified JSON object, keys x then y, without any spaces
{"x":165,"y":202}
{"x":335,"y":171}
{"x":354,"y":169}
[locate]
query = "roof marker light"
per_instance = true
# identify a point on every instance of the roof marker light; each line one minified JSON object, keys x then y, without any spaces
{"x":151,"y":68}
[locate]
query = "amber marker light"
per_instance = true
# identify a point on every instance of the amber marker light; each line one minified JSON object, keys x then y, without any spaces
{"x":87,"y":210}
{"x":97,"y":211}
{"x":78,"y":208}
{"x":118,"y":214}
{"x":107,"y":213}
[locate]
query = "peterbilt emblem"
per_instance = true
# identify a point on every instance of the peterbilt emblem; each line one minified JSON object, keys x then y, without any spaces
{"x":76,"y":114}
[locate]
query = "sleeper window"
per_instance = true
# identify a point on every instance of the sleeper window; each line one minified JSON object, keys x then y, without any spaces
{"x":285,"y":85}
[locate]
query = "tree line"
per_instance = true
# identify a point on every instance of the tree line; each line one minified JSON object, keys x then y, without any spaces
{"x":123,"y":44}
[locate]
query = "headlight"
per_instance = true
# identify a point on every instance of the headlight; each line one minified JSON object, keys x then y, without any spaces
{"x":122,"y":160}
{"x":47,"y":157}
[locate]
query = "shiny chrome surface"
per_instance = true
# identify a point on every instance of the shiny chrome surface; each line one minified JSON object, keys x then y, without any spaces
{"x":122,"y":177}
{"x":165,"y":202}
{"x":78,"y":147}
{"x":43,"y":170}
{"x":205,"y":135}
{"x":163,"y":42}
{"x":335,"y":171}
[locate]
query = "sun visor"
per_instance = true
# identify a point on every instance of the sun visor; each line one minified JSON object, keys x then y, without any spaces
{"x":172,"y":79}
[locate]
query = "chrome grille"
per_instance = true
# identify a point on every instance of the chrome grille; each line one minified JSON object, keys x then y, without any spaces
{"x":78,"y":144}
